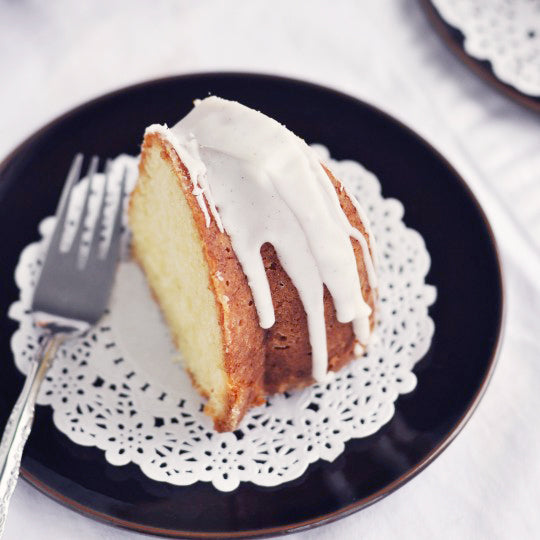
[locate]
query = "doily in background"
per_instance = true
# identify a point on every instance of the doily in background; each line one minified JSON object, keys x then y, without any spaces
{"x":120,"y":389}
{"x":504,"y":32}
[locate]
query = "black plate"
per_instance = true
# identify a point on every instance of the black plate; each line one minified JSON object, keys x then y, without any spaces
{"x":455,"y":39}
{"x":451,"y":378}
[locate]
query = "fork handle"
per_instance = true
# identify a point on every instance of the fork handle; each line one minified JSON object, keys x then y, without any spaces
{"x":20,"y":420}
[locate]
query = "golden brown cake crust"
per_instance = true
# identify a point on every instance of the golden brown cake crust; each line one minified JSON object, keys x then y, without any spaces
{"x":260,"y":362}
{"x":288,"y":351}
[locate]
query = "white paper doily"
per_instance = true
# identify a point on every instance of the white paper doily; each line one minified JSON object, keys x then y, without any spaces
{"x":505,"y":32}
{"x":118,"y":389}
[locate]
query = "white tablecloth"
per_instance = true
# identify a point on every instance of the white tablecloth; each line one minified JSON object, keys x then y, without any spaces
{"x":55,"y":55}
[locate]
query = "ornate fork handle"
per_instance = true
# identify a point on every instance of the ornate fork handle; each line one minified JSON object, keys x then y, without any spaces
{"x":20,"y":420}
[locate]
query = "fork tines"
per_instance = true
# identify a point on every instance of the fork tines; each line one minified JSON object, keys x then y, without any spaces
{"x":73,"y":178}
{"x":69,"y":285}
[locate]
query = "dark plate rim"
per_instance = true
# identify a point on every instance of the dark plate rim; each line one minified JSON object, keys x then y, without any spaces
{"x":362,"y":503}
{"x":442,"y":28}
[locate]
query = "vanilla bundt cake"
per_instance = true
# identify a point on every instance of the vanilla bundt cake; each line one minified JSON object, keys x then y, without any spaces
{"x":260,"y":260}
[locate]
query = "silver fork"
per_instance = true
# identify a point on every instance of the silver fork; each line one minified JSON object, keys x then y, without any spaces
{"x":70,"y":296}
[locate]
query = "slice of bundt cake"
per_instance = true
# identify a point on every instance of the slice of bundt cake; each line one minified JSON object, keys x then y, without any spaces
{"x":259,"y":258}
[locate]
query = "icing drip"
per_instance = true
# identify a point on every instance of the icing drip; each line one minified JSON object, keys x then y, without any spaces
{"x":187,"y":148}
{"x":264,"y":184}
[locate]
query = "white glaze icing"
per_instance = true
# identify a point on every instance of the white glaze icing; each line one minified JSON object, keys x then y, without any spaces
{"x":262,"y":184}
{"x":187,"y":149}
